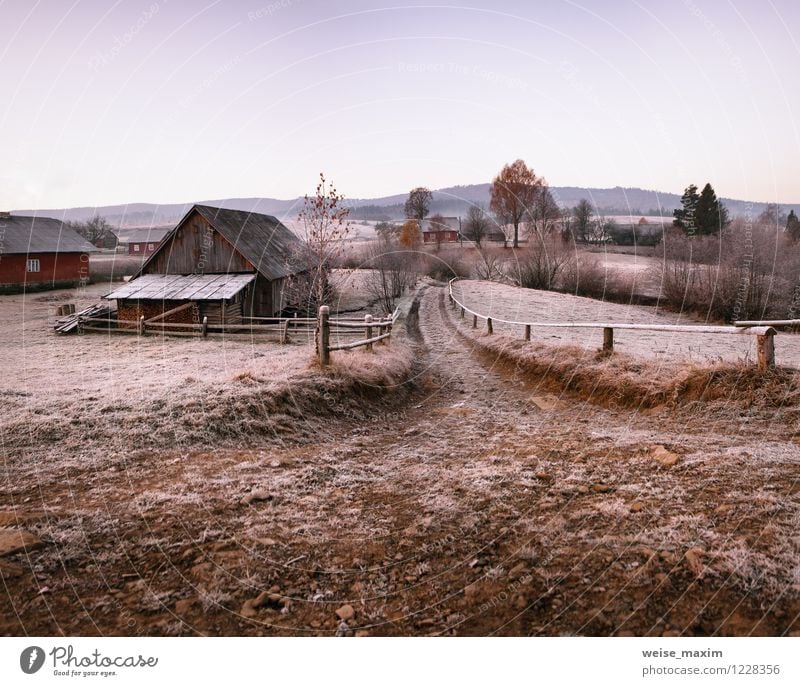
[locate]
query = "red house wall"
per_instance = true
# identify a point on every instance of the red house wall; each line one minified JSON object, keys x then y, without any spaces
{"x":55,"y":270}
{"x":143,"y":248}
{"x":444,"y":236}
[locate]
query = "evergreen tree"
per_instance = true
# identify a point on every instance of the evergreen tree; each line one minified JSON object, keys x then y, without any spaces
{"x":793,"y":227}
{"x":684,"y":217}
{"x":710,"y":215}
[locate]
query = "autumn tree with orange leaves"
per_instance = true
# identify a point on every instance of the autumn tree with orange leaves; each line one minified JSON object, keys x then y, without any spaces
{"x":513,"y":194}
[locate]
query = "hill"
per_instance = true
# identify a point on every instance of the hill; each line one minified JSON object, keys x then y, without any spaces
{"x":453,"y":200}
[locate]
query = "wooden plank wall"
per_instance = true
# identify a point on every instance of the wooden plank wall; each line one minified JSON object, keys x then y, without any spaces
{"x":197,"y":249}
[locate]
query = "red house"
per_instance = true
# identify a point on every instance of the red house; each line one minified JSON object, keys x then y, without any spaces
{"x":142,"y":241}
{"x":38,"y":253}
{"x":439,"y":229}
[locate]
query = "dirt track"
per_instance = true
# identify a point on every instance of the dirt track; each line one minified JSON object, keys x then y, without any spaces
{"x":486,"y":505}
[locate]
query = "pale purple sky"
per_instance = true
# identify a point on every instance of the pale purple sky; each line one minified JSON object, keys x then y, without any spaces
{"x":172,"y":101}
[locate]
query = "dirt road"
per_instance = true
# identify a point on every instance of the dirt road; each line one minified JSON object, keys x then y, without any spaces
{"x":486,"y":505}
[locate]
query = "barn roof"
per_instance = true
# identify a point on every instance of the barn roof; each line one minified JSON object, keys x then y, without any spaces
{"x":260,"y":238}
{"x":179,"y":287}
{"x":147,"y":234}
{"x":30,"y":235}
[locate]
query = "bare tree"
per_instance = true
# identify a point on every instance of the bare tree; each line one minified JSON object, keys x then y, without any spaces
{"x":772,"y":216}
{"x":513,"y":193}
{"x":582,"y":213}
{"x":392,"y":270}
{"x":601,"y":229}
{"x":325,"y":228}
{"x":418,"y":204}
{"x":96,"y":230}
{"x":567,"y":234}
{"x":541,"y":263}
{"x":544,"y":213}
{"x":384,"y":228}
{"x":490,"y":266}
{"x":477,"y":224}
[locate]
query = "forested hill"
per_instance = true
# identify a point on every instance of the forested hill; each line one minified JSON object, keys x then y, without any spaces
{"x":449,"y":201}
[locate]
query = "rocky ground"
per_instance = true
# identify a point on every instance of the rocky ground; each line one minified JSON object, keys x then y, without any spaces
{"x":481,"y":504}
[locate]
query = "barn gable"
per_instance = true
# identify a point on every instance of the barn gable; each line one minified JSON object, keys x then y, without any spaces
{"x":211,"y":240}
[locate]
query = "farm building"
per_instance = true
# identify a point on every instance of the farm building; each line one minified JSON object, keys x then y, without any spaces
{"x":37,"y":253}
{"x":442,"y":230}
{"x":216,"y":263}
{"x":142,"y":241}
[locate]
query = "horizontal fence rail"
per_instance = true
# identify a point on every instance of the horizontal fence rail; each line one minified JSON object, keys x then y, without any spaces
{"x":368,"y":326}
{"x":763,"y":331}
{"x":769,"y":322}
{"x":340,"y":327}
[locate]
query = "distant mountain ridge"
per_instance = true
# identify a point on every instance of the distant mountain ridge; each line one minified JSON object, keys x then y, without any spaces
{"x":453,"y":200}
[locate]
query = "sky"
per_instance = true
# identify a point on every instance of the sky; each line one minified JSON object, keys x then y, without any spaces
{"x":167,"y":101}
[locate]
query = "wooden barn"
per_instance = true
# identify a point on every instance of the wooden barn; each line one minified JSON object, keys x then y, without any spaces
{"x":216,"y":263}
{"x":38,"y":253}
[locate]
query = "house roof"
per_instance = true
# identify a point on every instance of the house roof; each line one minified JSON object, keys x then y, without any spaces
{"x":179,"y":287}
{"x":147,"y":234}
{"x":447,"y":224}
{"x":260,"y":238}
{"x":20,"y":235}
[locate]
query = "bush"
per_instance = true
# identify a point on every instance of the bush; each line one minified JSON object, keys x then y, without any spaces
{"x":748,"y":272}
{"x":540,"y":264}
{"x":445,"y":266}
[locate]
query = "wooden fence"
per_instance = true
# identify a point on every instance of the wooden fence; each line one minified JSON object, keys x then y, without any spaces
{"x":763,"y":331}
{"x":338,"y":328}
{"x":369,"y":326}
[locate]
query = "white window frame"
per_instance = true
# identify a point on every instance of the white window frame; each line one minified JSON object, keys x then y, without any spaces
{"x":136,"y":247}
{"x":34,"y":265}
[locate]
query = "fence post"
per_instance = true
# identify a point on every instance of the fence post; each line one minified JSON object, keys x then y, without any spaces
{"x":204,"y":327}
{"x":489,"y":328}
{"x":324,"y":329}
{"x":608,"y":340}
{"x":766,"y":351}
{"x":368,"y":322}
{"x":140,"y":328}
{"x":474,"y":321}
{"x":527,"y":332}
{"x":462,"y":313}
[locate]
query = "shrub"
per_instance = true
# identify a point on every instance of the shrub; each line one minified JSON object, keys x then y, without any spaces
{"x":540,"y":264}
{"x":446,"y":265}
{"x":748,"y":272}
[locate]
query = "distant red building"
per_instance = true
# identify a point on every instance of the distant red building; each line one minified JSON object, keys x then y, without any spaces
{"x":142,"y":241}
{"x":37,"y":253}
{"x":441,"y":230}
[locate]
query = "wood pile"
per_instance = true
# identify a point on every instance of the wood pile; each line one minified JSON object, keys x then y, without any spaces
{"x":70,"y":323}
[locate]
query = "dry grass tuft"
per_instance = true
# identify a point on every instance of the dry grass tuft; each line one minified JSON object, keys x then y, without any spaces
{"x":627,"y":382}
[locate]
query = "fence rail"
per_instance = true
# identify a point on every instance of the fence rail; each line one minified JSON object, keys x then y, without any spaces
{"x":324,"y":347}
{"x":763,"y":331}
{"x":338,"y":327}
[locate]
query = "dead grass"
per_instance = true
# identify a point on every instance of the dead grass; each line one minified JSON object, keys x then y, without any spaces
{"x":625,"y":382}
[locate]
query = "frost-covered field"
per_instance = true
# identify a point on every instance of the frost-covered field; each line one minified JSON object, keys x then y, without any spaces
{"x":97,"y":370}
{"x":520,"y":304}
